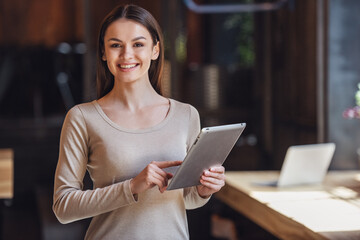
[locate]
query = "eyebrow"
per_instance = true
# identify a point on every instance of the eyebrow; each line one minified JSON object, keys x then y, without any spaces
{"x":135,"y":39}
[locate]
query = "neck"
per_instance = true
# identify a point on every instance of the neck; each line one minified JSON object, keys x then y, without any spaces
{"x":132,"y":96}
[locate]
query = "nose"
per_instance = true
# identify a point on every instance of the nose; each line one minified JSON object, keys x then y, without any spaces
{"x":126,"y":52}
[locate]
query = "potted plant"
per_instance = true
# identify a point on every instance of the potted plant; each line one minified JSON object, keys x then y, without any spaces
{"x":354,"y":112}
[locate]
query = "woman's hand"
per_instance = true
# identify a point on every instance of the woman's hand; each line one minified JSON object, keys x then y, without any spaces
{"x":212,"y":181}
{"x":153,"y":175}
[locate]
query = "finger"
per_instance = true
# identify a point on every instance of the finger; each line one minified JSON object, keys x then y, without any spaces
{"x":168,"y":177}
{"x":153,"y":169}
{"x":162,"y":177}
{"x":217,"y":175}
{"x":162,"y":184}
{"x":218,"y":169}
{"x":214,"y":181}
{"x":162,"y":190}
{"x":167,"y":164}
{"x":160,"y":181}
{"x":209,"y":185}
{"x":156,"y":170}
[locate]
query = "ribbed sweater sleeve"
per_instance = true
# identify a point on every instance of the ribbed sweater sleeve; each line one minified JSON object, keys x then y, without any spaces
{"x":70,"y":201}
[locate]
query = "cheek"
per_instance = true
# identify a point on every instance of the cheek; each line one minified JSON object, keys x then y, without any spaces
{"x":146,"y":57}
{"x":110,"y":55}
{"x":144,"y":53}
{"x":111,"y":66}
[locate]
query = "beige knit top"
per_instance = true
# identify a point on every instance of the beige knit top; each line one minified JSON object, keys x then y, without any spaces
{"x":113,"y":155}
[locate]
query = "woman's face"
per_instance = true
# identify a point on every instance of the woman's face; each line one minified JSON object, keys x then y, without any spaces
{"x":128,"y":50}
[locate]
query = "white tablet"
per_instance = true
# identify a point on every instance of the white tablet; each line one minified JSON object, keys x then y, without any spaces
{"x":211,"y":148}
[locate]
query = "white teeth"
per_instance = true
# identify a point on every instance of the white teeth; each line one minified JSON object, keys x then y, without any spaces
{"x":128,"y":66}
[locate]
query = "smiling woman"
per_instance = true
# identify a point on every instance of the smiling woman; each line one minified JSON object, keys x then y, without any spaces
{"x":144,"y":19}
{"x":126,"y":139}
{"x":128,"y":51}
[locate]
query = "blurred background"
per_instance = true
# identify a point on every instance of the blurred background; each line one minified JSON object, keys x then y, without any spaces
{"x":288,"y":72}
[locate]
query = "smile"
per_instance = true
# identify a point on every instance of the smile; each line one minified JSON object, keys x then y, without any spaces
{"x":127,"y":66}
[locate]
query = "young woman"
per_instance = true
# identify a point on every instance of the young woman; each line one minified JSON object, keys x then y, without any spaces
{"x":126,"y":140}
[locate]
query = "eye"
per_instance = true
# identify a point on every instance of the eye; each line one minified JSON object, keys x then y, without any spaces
{"x":138,"y":45}
{"x":115,"y":45}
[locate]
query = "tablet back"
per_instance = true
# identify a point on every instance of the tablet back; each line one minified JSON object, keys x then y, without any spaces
{"x":211,"y":148}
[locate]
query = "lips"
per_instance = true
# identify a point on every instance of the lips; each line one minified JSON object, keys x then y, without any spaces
{"x":127,"y":66}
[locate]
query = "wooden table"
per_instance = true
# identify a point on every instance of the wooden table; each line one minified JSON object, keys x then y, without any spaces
{"x":6,"y":173}
{"x":327,"y":211}
{"x":6,"y":179}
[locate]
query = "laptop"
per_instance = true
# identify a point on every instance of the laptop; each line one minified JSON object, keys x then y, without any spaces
{"x":304,"y":164}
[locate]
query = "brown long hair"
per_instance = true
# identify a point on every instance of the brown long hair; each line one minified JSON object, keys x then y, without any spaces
{"x":104,"y":78}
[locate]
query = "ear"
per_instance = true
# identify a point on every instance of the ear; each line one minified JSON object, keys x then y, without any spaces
{"x":103,"y":57}
{"x":156,"y":51}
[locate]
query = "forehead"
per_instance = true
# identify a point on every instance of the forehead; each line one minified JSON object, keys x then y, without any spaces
{"x":125,"y":29}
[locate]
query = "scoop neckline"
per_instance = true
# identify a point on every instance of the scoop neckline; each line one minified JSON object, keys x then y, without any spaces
{"x":142,"y":130}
